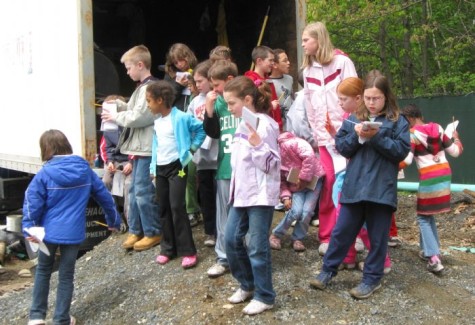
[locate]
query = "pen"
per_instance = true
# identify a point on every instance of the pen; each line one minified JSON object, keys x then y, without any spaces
{"x":101,"y":224}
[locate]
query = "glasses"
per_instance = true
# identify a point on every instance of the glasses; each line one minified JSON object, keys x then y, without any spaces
{"x":373,"y":99}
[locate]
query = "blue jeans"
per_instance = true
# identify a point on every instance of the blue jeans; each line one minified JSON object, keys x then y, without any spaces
{"x":64,"y":293}
{"x":428,"y":237}
{"x":303,"y":208}
{"x":251,"y":265}
{"x":350,"y":220}
{"x":222,"y":209}
{"x":143,"y":209}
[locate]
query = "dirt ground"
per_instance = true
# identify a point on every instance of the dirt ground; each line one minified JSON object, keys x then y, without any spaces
{"x":456,"y":230}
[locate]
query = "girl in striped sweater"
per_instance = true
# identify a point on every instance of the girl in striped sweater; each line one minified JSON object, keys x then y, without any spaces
{"x":428,"y":146}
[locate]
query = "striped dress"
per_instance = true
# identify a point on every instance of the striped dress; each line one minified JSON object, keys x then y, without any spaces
{"x":428,"y":147}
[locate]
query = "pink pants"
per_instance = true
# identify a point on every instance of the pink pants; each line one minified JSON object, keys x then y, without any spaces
{"x":326,"y":210}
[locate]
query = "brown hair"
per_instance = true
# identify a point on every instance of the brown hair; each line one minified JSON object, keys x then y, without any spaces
{"x":139,"y":53}
{"x":114,"y":97}
{"x":179,"y":51}
{"x":325,"y":50}
{"x":202,"y":68}
{"x":220,"y":52}
{"x":375,"y":79}
{"x":54,"y":142}
{"x":222,"y":69}
{"x":162,"y":89}
{"x":259,"y":91}
{"x":261,"y":52}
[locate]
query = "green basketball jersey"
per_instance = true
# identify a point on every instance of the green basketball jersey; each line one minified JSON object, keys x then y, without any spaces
{"x":227,"y":126}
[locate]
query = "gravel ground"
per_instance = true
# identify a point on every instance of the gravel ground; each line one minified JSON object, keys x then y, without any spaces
{"x":115,"y":287}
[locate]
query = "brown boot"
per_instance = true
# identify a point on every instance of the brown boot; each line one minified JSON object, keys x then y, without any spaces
{"x":131,"y":240}
{"x":147,"y":243}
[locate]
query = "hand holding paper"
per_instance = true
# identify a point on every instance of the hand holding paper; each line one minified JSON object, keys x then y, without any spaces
{"x":36,"y":240}
{"x":250,"y":117}
{"x":450,"y":129}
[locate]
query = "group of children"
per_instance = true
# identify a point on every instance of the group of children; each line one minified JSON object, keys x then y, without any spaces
{"x":250,"y":144}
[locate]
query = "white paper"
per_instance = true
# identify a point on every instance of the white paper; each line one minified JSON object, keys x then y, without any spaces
{"x":371,"y":125}
{"x":400,"y":174}
{"x":250,"y":117}
{"x":110,"y":107}
{"x":118,"y":183}
{"x":179,"y":75}
{"x":339,"y":162}
{"x":38,"y":233}
{"x":451,"y":127}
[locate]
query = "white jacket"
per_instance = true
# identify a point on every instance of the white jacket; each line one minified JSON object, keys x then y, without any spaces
{"x":321,"y":100}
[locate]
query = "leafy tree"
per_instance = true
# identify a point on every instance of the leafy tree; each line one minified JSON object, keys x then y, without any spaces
{"x":425,"y":47}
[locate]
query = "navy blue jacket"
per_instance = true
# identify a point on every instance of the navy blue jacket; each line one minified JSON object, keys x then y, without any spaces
{"x":57,"y":196}
{"x":371,"y":174}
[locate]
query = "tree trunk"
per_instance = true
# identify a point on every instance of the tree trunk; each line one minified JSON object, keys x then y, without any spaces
{"x":408,"y":82}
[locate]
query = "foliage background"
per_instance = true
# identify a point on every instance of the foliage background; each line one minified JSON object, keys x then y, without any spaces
{"x":425,"y":47}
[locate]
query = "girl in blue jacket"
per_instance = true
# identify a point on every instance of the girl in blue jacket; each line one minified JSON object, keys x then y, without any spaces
{"x":369,"y":192}
{"x":177,"y":135}
{"x":56,"y":199}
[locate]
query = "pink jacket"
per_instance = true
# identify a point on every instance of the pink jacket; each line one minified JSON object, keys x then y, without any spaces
{"x":296,"y":153}
{"x":321,"y":100}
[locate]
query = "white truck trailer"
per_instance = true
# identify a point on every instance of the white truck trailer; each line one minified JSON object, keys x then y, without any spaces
{"x":46,"y":48}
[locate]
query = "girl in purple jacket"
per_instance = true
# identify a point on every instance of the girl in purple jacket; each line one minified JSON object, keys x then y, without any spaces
{"x":299,"y":195}
{"x":254,"y":192}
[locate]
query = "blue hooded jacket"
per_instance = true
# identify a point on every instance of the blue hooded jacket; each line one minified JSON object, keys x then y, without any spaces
{"x":57,"y":196}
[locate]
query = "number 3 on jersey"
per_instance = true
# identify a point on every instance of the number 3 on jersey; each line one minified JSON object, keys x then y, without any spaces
{"x":226,"y":139}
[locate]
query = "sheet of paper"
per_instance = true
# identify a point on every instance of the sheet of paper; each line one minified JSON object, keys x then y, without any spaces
{"x":38,"y":233}
{"x":250,"y":117}
{"x":451,"y":127}
{"x":118,"y":184}
{"x":111,"y":108}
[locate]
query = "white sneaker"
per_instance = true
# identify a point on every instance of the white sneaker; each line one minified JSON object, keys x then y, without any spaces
{"x":359,"y":246}
{"x":315,"y":222}
{"x":256,"y":307}
{"x":240,"y":296}
{"x":279,"y":207}
{"x":322,"y":249}
{"x":36,"y":322}
{"x":217,"y":270}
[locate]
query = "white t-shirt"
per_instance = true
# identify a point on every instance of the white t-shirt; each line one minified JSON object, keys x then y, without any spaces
{"x":167,"y":151}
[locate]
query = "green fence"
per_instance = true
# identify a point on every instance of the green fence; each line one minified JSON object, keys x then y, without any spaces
{"x":441,"y":110}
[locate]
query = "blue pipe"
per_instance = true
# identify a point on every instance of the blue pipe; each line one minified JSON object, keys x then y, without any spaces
{"x":413,"y":186}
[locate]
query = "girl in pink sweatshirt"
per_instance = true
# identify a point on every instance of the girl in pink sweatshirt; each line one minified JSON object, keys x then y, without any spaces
{"x":299,"y":194}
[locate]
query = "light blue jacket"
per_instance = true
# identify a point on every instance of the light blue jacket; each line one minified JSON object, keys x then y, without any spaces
{"x":189,"y":135}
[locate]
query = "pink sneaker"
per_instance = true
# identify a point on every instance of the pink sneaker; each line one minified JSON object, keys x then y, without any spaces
{"x":189,"y":261}
{"x":162,"y":259}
